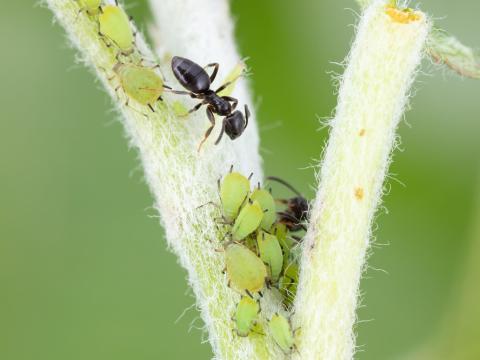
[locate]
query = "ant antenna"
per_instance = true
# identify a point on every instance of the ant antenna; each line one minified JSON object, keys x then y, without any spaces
{"x":284,"y":183}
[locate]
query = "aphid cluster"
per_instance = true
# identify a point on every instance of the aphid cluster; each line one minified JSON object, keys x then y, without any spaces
{"x":260,"y":254}
{"x":138,"y":82}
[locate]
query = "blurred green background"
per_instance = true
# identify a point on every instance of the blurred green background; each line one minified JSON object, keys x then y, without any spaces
{"x":84,"y":270}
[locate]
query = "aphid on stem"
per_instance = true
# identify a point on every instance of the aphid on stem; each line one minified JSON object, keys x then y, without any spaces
{"x":246,"y":315}
{"x":114,"y":25}
{"x":245,"y":270}
{"x":91,"y":7}
{"x":139,"y":83}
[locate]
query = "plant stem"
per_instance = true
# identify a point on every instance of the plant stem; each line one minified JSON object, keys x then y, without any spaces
{"x":373,"y":94}
{"x":179,"y":177}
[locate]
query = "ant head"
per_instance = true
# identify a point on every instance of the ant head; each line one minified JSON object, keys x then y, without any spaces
{"x":234,"y":125}
{"x":299,"y":207}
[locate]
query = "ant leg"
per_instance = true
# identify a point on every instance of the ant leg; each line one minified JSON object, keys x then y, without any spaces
{"x":215,"y":70}
{"x":181,"y":92}
{"x":195,"y":108}
{"x":211,"y":117}
{"x":247,"y":115}
{"x":232,"y":100}
{"x":224,"y":122}
{"x":227,"y":84}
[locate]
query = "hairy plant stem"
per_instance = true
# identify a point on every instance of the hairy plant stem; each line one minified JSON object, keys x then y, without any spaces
{"x":179,"y":177}
{"x":372,"y":97}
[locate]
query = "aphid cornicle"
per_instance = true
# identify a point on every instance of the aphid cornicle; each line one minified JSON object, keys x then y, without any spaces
{"x":282,"y":333}
{"x":245,"y":270}
{"x":297,"y":208}
{"x":268,"y":206}
{"x":271,"y":254}
{"x":246,"y":315}
{"x":234,"y":189}
{"x":139,"y":83}
{"x":115,"y":26}
{"x":195,"y":79}
{"x":248,"y":220}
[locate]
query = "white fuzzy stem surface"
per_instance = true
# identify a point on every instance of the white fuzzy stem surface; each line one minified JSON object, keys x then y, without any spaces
{"x":373,"y":94}
{"x":180,"y":178}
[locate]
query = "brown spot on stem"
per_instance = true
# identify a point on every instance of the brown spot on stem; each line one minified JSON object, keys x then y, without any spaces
{"x":362,"y":132}
{"x":404,"y":16}
{"x":359,"y":193}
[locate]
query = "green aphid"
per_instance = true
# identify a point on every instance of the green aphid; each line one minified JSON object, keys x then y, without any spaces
{"x":247,"y":221}
{"x":234,"y":191}
{"x":115,"y":26}
{"x":288,"y":284}
{"x":245,"y":270}
{"x":282,"y":333}
{"x":139,"y":83}
{"x":268,"y":206}
{"x":281,"y":232}
{"x":246,"y":316}
{"x":91,"y":7}
{"x":271,"y":253}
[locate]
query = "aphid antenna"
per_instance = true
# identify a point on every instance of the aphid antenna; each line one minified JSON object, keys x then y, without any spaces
{"x":284,"y":183}
{"x":231,"y":168}
{"x":250,"y":176}
{"x":208,"y":203}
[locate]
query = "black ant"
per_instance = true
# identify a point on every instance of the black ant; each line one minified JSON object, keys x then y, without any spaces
{"x":297,"y":208}
{"x":195,"y":79}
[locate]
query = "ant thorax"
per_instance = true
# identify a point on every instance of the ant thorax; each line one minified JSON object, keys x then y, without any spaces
{"x":222,"y":107}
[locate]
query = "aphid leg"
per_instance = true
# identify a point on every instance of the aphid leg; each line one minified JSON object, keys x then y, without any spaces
{"x":250,"y":176}
{"x":151,"y":107}
{"x":211,"y":117}
{"x":247,"y":116}
{"x":232,"y":100}
{"x":249,"y":293}
{"x":231,"y":168}
{"x":296,"y":238}
{"x":208,"y":203}
{"x":215,"y":70}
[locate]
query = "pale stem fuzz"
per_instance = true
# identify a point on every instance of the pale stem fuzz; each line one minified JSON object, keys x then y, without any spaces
{"x":372,"y":98}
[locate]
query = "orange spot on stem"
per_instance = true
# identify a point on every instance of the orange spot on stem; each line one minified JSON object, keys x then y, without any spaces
{"x":359,"y":193}
{"x":405,"y":16}
{"x":362,"y":132}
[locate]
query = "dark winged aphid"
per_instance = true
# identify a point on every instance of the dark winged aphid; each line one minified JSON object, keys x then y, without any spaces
{"x":195,"y":79}
{"x":297,"y":208}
